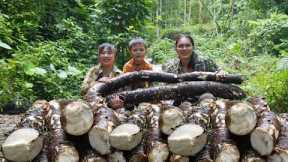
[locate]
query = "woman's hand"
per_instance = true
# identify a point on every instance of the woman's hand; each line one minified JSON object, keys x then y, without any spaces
{"x":116,"y":102}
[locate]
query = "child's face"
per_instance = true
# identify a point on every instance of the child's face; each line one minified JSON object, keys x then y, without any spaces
{"x":138,"y":52}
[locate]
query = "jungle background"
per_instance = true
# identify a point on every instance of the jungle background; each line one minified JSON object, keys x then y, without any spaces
{"x":46,"y":47}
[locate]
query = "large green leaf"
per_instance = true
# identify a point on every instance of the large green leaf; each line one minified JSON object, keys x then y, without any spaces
{"x":62,"y":74}
{"x":73,"y":71}
{"x":39,"y":71}
{"x":31,"y":69}
{"x":4,"y":45}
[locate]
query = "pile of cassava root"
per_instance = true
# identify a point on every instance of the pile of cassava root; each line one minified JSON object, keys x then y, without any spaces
{"x":222,"y":125}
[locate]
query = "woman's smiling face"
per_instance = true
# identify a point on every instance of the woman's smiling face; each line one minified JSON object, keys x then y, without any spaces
{"x":184,"y":48}
{"x":107,"y":57}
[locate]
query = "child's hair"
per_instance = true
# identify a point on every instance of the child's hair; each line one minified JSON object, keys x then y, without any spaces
{"x":137,"y":40}
{"x":108,"y":46}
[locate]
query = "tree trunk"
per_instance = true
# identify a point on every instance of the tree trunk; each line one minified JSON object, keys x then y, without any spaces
{"x":185,"y":12}
{"x":205,"y":154}
{"x":263,"y":138}
{"x":259,"y":104}
{"x":78,"y":118}
{"x":241,"y":118}
{"x":104,"y":122}
{"x":22,"y":145}
{"x":200,"y":12}
{"x":224,"y":148}
{"x":170,"y":119}
{"x":190,"y":138}
{"x":187,"y":140}
{"x":128,"y":135}
{"x":44,"y":154}
{"x":60,"y":149}
{"x":116,"y":156}
{"x":91,"y":156}
{"x":149,"y":76}
{"x":26,"y":143}
{"x":179,"y":91}
{"x":156,"y":150}
{"x":178,"y":158}
{"x":280,"y":152}
{"x":138,"y":154}
{"x":252,"y":156}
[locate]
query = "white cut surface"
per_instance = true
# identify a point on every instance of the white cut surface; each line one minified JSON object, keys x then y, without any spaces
{"x":22,"y":145}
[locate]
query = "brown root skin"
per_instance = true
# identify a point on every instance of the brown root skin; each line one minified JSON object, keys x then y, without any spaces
{"x":150,"y":76}
{"x":263,"y":138}
{"x":138,"y":154}
{"x":178,"y":158}
{"x":205,"y":154}
{"x":59,"y":148}
{"x":156,"y":150}
{"x":92,"y":156}
{"x":104,"y":122}
{"x":281,"y":149}
{"x":170,"y":119}
{"x":44,"y":154}
{"x":251,"y":155}
{"x":116,"y":156}
{"x":179,"y":91}
{"x":259,"y":104}
{"x":222,"y":142}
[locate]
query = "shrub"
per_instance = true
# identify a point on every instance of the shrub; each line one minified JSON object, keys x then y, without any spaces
{"x":273,"y":86}
{"x":162,"y":50}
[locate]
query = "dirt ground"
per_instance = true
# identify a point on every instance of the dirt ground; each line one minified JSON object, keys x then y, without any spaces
{"x":7,"y":124}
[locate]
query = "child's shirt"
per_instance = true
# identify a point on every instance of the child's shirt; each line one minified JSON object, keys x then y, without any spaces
{"x":131,"y":67}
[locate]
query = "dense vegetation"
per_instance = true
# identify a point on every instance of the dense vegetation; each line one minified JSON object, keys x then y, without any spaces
{"x":47,"y":46}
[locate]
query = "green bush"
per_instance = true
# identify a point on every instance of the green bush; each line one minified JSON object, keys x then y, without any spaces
{"x":162,"y":50}
{"x":44,"y":71}
{"x":273,"y":86}
{"x":268,"y":36}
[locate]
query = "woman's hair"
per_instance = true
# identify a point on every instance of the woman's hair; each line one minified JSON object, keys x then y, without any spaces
{"x":137,"y":40}
{"x":184,"y":36}
{"x":108,"y":46}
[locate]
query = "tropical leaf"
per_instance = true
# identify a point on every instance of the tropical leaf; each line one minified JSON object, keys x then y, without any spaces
{"x":4,"y":45}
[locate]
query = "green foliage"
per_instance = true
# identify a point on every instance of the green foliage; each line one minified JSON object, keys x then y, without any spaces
{"x":6,"y":38}
{"x":119,"y":21}
{"x":162,"y":50}
{"x":268,"y":36}
{"x":40,"y":72}
{"x":53,"y":43}
{"x":118,"y":15}
{"x":274,"y":86}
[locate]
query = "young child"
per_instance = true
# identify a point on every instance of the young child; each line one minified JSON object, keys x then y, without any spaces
{"x":137,"y":49}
